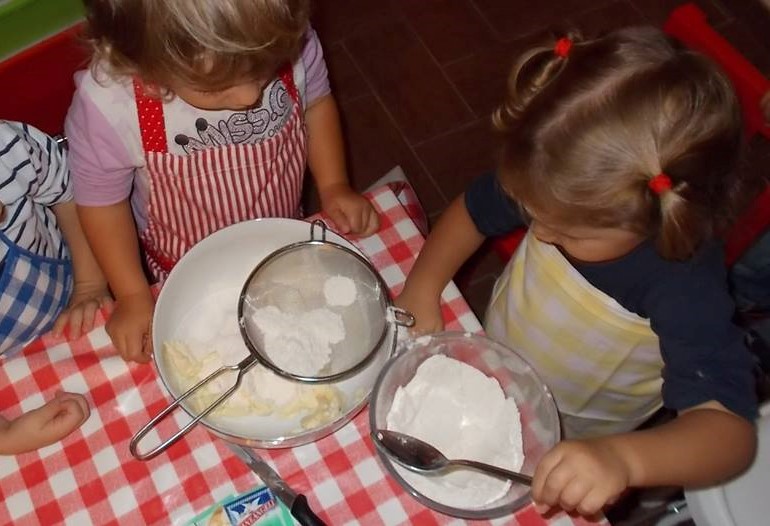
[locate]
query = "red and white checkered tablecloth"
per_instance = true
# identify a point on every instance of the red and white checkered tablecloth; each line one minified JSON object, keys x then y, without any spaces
{"x":91,"y":478}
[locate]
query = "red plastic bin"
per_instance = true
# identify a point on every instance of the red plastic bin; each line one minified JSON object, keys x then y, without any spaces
{"x":36,"y":84}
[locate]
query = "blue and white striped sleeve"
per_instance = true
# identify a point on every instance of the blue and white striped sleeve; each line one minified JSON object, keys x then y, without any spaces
{"x":31,"y":166}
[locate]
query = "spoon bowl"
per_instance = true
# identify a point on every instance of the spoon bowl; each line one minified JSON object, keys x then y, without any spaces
{"x":417,"y":455}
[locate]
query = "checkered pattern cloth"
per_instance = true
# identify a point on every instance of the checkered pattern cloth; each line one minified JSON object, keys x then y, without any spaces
{"x":91,"y":478}
{"x":33,"y":291}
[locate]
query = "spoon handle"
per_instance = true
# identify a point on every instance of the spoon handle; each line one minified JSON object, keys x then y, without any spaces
{"x":494,"y":470}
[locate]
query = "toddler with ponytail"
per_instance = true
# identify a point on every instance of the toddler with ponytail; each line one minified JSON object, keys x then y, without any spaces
{"x":620,"y":153}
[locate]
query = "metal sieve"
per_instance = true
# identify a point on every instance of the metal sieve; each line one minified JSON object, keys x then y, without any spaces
{"x":295,"y":280}
{"x":292,"y":279}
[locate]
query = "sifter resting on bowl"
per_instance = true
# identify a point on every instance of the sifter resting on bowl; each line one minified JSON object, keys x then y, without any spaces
{"x":286,"y":289}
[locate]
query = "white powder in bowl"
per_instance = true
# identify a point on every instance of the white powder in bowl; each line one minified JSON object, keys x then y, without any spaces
{"x":299,"y":343}
{"x":212,"y":339}
{"x":465,"y":414}
{"x":340,"y":291}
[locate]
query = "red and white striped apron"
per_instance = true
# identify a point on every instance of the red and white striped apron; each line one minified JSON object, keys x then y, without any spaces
{"x":192,"y":196}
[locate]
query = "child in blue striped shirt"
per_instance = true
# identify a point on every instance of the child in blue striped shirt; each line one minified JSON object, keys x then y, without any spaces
{"x":49,"y":278}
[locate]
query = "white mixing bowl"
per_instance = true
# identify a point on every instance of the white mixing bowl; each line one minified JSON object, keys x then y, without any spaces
{"x":219,"y":265}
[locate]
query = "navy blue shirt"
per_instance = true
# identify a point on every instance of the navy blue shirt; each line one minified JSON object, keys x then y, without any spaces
{"x":687,"y":303}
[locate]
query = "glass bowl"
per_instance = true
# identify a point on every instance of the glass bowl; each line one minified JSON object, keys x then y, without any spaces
{"x":539,"y":418}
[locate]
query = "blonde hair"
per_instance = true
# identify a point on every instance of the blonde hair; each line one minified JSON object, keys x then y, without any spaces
{"x":207,"y":44}
{"x":584,"y":135}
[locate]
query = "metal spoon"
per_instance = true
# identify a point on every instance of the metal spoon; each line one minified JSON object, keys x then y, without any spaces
{"x":417,"y":455}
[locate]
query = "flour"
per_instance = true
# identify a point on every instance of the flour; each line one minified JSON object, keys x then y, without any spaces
{"x":212,"y":339}
{"x":340,"y":291}
{"x":465,"y":414}
{"x":299,"y":343}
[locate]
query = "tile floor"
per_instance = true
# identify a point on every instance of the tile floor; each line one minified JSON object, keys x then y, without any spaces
{"x":417,"y":80}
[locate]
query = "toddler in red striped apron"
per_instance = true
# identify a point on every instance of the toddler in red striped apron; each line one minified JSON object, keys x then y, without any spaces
{"x":194,"y":116}
{"x":620,"y":154}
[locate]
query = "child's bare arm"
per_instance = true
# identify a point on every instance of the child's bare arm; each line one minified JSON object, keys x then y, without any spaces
{"x":112,"y":235}
{"x":90,"y":291}
{"x":43,"y":426}
{"x":350,"y":211}
{"x":705,"y":445}
{"x":451,"y":242}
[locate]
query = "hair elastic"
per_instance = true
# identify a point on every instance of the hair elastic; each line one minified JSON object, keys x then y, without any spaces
{"x":660,"y":183}
{"x":562,"y":47}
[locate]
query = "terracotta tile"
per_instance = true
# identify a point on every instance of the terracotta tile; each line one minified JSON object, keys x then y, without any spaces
{"x":755,"y":50}
{"x":375,"y":146}
{"x":512,"y":19}
{"x":449,"y":28}
{"x":484,"y":264}
{"x":757,"y":157}
{"x":753,"y":15}
{"x":347,"y":82}
{"x":657,"y":11}
{"x":337,"y":19}
{"x":604,"y":19}
{"x":477,"y":295}
{"x":456,"y":158}
{"x":481,"y":78}
{"x":408,"y":81}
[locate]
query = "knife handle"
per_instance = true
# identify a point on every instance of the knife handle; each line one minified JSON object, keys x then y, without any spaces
{"x":302,"y":512}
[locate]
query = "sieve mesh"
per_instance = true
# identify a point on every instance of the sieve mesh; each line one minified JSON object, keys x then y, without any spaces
{"x":292,"y":279}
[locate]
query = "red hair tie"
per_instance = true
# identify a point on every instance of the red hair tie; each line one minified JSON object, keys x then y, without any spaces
{"x":660,"y":183}
{"x":562,"y":47}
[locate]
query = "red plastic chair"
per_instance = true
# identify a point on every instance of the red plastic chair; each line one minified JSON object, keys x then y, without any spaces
{"x":688,"y":24}
{"x":36,"y":84}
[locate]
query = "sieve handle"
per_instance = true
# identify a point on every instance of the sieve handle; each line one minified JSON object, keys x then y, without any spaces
{"x":401,"y":317}
{"x":242,"y":368}
{"x":320,"y":224}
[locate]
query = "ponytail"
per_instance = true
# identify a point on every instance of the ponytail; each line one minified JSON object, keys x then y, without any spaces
{"x":535,"y":69}
{"x":681,"y":229}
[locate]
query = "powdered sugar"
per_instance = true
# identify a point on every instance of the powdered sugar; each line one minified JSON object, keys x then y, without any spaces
{"x":340,"y":291}
{"x":210,"y":338}
{"x":299,"y":343}
{"x":465,"y":414}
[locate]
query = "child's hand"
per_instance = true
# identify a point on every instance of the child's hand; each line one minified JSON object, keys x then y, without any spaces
{"x":580,"y":475}
{"x":425,"y":308}
{"x":79,"y":315}
{"x":43,"y":426}
{"x":350,"y":211}
{"x":129,"y":326}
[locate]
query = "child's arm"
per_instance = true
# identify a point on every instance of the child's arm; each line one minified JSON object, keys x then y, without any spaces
{"x":43,"y":426}
{"x":90,"y":291}
{"x":705,"y":445}
{"x":112,"y":235}
{"x":451,"y":242}
{"x":349,"y":210}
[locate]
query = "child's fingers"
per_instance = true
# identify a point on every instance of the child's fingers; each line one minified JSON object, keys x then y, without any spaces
{"x":76,"y":322}
{"x":88,"y":317}
{"x":134,"y":347}
{"x":573,"y":493}
{"x":340,"y":220}
{"x":542,"y":472}
{"x":60,"y":323}
{"x":108,"y":304}
{"x":372,"y":222}
{"x":139,"y":348}
{"x":592,"y":503}
{"x":356,"y":219}
{"x":559,"y":479}
{"x":58,"y":418}
{"x":77,"y":398}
